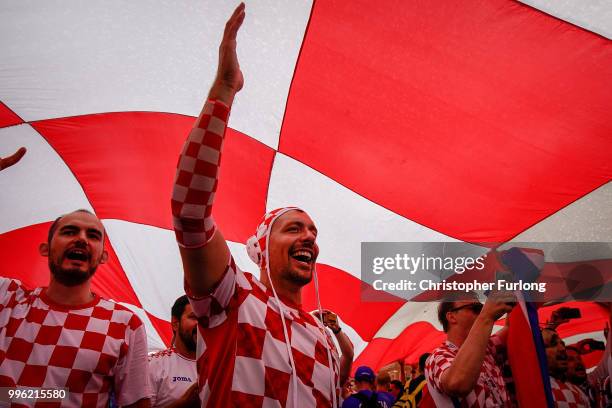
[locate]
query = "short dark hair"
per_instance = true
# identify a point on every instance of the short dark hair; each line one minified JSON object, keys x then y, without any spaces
{"x":179,"y":306}
{"x":423,"y":360}
{"x":448,"y":303}
{"x":443,"y":309}
{"x":53,"y":226}
{"x":398,"y":384}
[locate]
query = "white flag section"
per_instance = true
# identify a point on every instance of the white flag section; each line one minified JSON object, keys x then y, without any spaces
{"x":480,"y":122}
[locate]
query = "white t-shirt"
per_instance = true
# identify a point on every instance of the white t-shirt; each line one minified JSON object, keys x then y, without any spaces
{"x":170,"y":374}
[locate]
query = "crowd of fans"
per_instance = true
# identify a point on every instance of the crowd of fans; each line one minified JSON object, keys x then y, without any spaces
{"x":238,"y":340}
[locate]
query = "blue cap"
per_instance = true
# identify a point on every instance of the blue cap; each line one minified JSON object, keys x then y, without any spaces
{"x":364,"y":373}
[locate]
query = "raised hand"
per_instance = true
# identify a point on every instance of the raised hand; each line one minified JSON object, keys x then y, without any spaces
{"x":229,"y":79}
{"x":12,"y":159}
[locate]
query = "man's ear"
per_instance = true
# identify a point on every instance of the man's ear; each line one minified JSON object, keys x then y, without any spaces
{"x":175,"y":324}
{"x":450,"y":317}
{"x":43,"y":249}
{"x":104,"y":257}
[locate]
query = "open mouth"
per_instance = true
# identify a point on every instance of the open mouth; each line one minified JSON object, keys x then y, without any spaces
{"x":77,"y":254}
{"x":304,"y":256}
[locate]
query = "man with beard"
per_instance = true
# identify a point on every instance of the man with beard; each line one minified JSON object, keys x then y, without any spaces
{"x":66,"y":336}
{"x":577,"y":375}
{"x":256,"y":345}
{"x":564,"y":392}
{"x":173,"y":371}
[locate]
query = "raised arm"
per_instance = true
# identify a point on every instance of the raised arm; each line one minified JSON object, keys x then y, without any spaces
{"x":203,"y":249}
{"x":12,"y":159}
{"x":460,"y":378}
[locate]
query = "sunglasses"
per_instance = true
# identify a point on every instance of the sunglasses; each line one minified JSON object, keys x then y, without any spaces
{"x":474,"y":307}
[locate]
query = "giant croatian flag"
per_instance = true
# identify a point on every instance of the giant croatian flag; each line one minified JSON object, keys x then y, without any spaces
{"x":387,"y":121}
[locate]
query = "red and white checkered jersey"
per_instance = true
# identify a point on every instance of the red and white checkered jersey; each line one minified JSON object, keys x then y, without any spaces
{"x":568,"y":395}
{"x":242,"y":354}
{"x":170,"y":374}
{"x":89,"y":349}
{"x":489,"y":391}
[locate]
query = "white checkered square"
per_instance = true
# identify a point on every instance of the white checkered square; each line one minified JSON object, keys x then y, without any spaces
{"x":40,"y":354}
{"x":187,"y":164}
{"x":216,"y":126}
{"x":270,"y":403}
{"x":97,"y":325}
{"x":86,"y":360}
{"x":253,"y":312}
{"x":209,"y":154}
{"x":179,"y":193}
{"x":249,"y":376}
{"x":202,"y":183}
{"x":302,"y":339}
{"x":321,"y":378}
{"x":55,"y":319}
{"x":275,"y":354}
{"x":71,"y":338}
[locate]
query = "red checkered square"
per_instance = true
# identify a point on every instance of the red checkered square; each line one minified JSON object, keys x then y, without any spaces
{"x":32,"y":376}
{"x":76,"y":322}
{"x":304,"y":365}
{"x":240,"y":400}
{"x":90,"y":399}
{"x":78,"y":380}
{"x":250,"y":341}
{"x":116,"y":330}
{"x":36,"y":315}
{"x":105,"y":364}
{"x":93,"y":341}
{"x":48,"y":335}
{"x":277,"y":385}
{"x":274,"y":324}
{"x":19,"y":350}
{"x":102,"y":313}
{"x":321,"y":354}
{"x":12,"y":326}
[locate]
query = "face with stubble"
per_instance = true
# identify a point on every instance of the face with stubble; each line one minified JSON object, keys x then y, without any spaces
{"x":293,"y":248}
{"x":75,"y":248}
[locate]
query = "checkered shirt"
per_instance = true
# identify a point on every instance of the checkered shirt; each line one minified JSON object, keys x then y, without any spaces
{"x":568,"y":395}
{"x":197,"y":177}
{"x":242,"y":353}
{"x":89,"y":349}
{"x":171,"y":375}
{"x":489,"y":391}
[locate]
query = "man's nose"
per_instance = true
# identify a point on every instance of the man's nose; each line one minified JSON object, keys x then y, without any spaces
{"x":81,"y":238}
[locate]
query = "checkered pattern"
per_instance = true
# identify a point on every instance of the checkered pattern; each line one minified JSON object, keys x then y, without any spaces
{"x":197,"y":177}
{"x":489,"y":391}
{"x":90,"y":350}
{"x":256,"y":245}
{"x":242,"y":354}
{"x":567,"y":395}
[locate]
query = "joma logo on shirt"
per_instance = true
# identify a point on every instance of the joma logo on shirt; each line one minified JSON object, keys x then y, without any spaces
{"x":186,"y":379}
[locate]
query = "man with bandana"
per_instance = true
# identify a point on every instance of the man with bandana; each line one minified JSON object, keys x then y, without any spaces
{"x":256,"y":345}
